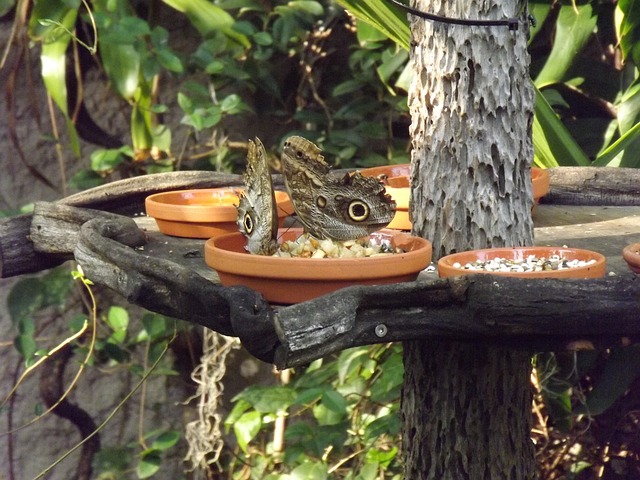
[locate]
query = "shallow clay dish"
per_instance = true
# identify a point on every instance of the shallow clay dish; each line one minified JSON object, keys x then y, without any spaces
{"x":397,"y":180}
{"x":202,"y":213}
{"x":594,"y":270}
{"x":292,"y":280}
{"x":540,"y":182}
{"x":631,"y":255}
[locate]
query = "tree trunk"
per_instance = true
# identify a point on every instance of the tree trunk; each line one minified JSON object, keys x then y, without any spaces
{"x":465,"y":408}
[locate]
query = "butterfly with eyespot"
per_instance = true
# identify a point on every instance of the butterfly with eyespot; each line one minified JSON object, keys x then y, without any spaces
{"x":257,"y":213}
{"x":329,"y":206}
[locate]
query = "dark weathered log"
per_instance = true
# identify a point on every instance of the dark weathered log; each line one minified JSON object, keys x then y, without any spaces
{"x":168,"y":288}
{"x":606,"y":186}
{"x":584,"y":185}
{"x":527,"y":314}
{"x":55,"y":228}
{"x":17,"y":256}
{"x":127,"y":196}
{"x":541,"y":314}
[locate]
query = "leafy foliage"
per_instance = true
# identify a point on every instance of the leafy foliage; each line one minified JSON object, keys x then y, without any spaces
{"x":341,"y":418}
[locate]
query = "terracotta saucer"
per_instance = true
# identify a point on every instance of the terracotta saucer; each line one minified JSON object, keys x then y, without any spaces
{"x":202,"y":213}
{"x":292,"y":280}
{"x":631,"y":255}
{"x":595,"y":270}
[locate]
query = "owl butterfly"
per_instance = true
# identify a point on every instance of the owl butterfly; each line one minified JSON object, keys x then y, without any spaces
{"x":340,"y":208}
{"x":257,"y":214}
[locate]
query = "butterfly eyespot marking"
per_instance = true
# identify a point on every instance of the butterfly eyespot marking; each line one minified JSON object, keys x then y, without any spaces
{"x":321,"y":201}
{"x":358,"y":211}
{"x":248,"y":224}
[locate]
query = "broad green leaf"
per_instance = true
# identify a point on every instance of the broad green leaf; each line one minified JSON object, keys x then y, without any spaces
{"x":622,"y":368}
{"x":118,"y":320}
{"x":170,"y":61}
{"x":149,"y":464}
{"x":368,"y":472}
{"x":26,"y":297}
{"x":166,"y":440}
{"x":25,"y":345}
{"x":552,"y":142}
{"x":268,"y":399}
{"x":103,"y":160}
{"x":310,"y":471}
{"x":334,"y":402}
{"x":574,"y":27}
{"x":85,"y":179}
{"x":384,"y":16}
{"x":619,"y":154}
{"x":382,"y":457}
{"x":385,"y":425}
{"x":208,"y":18}
{"x":368,"y":34}
{"x":122,"y":64}
{"x":628,"y":26}
{"x":629,"y":107}
{"x":246,"y":428}
{"x":309,"y":6}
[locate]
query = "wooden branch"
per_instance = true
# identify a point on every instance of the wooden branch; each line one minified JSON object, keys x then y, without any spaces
{"x":605,"y":186}
{"x":539,"y":314}
{"x":17,"y":255}
{"x":583,"y":186}
{"x":528,"y":314}
{"x":165,"y":287}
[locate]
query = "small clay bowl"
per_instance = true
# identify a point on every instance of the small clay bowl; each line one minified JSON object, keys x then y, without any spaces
{"x":396,"y":178}
{"x":594,"y":270}
{"x":293,"y":280}
{"x":203,"y":213}
{"x":540,"y":182}
{"x":631,"y":255}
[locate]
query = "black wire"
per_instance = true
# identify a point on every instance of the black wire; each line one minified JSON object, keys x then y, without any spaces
{"x":512,"y":23}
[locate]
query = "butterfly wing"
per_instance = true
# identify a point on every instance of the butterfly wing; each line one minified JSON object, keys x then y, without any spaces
{"x":257,"y":214}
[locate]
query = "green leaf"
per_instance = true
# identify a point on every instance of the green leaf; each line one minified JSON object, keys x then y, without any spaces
{"x":157,"y":326}
{"x":622,"y":368}
{"x":25,"y":345}
{"x":629,"y":29}
{"x":386,"y":17}
{"x":166,"y":440}
{"x":382,"y":457}
{"x":616,"y":154}
{"x":308,"y":6}
{"x":387,"y":387}
{"x":246,"y":428}
{"x":26,"y":297}
{"x":117,"y":318}
{"x":268,"y":399}
{"x":208,"y":18}
{"x":310,"y":471}
{"x":103,"y":160}
{"x":149,"y":464}
{"x":334,"y":402}
{"x":385,"y":425}
{"x":574,"y":27}
{"x":6,"y":6}
{"x":122,"y":64}
{"x":553,"y":144}
{"x":170,"y":61}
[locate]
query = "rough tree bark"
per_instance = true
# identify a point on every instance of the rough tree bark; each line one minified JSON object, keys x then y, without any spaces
{"x":466,"y":408}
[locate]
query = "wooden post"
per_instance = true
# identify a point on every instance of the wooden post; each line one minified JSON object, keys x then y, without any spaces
{"x":465,"y":407}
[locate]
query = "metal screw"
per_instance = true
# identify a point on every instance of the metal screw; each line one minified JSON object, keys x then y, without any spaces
{"x":381,"y":330}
